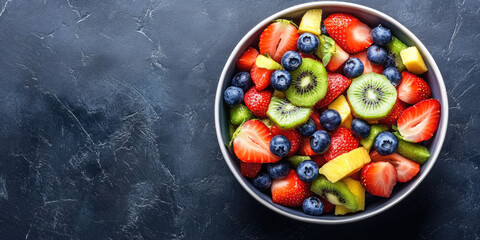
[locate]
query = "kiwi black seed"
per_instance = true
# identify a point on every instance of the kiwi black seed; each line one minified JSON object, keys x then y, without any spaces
{"x":336,"y":193}
{"x":371,"y":96}
{"x":286,"y":115}
{"x":309,"y":83}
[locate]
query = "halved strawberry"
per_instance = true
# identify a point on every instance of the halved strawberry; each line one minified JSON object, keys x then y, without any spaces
{"x":257,"y":101}
{"x":337,"y":59}
{"x":278,"y":38}
{"x":315,"y":116}
{"x":260,"y":77}
{"x":252,"y":143}
{"x":250,"y":170}
{"x":413,"y":89}
{"x":420,"y":121}
{"x":379,"y":178}
{"x":290,"y":191}
{"x":337,"y":84}
{"x":406,"y":169}
{"x":351,"y":34}
{"x":246,"y":61}
{"x":305,"y":148}
{"x":396,"y":111}
{"x":342,"y":141}
{"x":311,"y":56}
{"x":293,"y":136}
{"x":367,"y":65}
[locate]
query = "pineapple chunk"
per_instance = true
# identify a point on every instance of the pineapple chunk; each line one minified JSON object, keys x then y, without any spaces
{"x":413,"y":60}
{"x":356,"y":188}
{"x":345,"y":164}
{"x":311,"y":21}
{"x":341,"y":106}
{"x":263,"y":61}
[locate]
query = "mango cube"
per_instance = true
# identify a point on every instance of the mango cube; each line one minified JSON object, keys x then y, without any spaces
{"x":412,"y":59}
{"x":356,"y":188}
{"x":341,"y":106}
{"x":311,"y":22}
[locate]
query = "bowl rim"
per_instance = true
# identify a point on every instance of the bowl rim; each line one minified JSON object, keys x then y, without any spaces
{"x":441,"y":132}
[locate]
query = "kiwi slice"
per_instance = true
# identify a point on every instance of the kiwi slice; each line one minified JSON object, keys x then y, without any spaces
{"x":297,"y":159}
{"x":309,"y":84}
{"x":286,"y":115}
{"x":336,"y":193}
{"x":394,"y":48}
{"x":367,"y":142}
{"x":371,"y":96}
{"x":239,"y":114}
{"x":413,"y":151}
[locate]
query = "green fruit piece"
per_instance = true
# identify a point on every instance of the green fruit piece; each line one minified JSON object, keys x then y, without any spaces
{"x":286,"y":115}
{"x":267,"y":122}
{"x":394,"y":48}
{"x":231,"y":130}
{"x":413,"y":151}
{"x":371,"y":96}
{"x":326,"y":49}
{"x":309,"y":84}
{"x":265,"y":61}
{"x":336,"y":193}
{"x":239,"y":114}
{"x":367,"y":142}
{"x":297,"y":159}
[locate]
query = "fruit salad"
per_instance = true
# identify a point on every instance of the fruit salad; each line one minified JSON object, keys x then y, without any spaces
{"x":329,"y":111}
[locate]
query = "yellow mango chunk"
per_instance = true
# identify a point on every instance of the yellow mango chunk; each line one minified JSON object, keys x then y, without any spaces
{"x":356,"y":188}
{"x":412,"y":59}
{"x":341,"y":106}
{"x":311,"y":22}
{"x":345,"y":164}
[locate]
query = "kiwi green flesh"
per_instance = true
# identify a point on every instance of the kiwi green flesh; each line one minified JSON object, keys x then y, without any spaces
{"x":286,"y":115}
{"x":394,"y":48}
{"x":371,"y":96}
{"x":336,"y":193}
{"x":297,"y":159}
{"x":367,"y":142}
{"x":239,"y":114}
{"x":413,"y":151}
{"x":309,"y":83}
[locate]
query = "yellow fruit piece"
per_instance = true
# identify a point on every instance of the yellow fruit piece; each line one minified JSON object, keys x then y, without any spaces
{"x":412,"y":59}
{"x":263,"y":61}
{"x":345,"y":164}
{"x":311,"y":22}
{"x":341,"y":105}
{"x":356,"y":188}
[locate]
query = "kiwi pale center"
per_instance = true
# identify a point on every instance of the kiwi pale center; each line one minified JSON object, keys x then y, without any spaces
{"x":287,"y":108}
{"x":372,"y":95}
{"x":333,"y":197}
{"x":307,"y":82}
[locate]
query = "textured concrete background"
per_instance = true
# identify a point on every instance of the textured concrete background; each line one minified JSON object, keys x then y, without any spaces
{"x":106,"y":123}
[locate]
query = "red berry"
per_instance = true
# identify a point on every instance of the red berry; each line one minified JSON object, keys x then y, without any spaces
{"x":260,"y":77}
{"x":406,"y":169}
{"x":420,"y":121}
{"x":293,"y":136}
{"x":278,"y":38}
{"x":379,"y":178}
{"x":368,"y":66}
{"x":257,"y":101}
{"x":305,"y":148}
{"x":413,"y":89}
{"x":352,"y":35}
{"x":342,"y":141}
{"x":248,"y":58}
{"x":252,"y":143}
{"x":250,"y":170}
{"x":396,"y":111}
{"x":337,"y":84}
{"x":290,"y":191}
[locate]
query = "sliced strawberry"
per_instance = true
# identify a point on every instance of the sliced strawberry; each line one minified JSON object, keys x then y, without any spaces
{"x":368,"y":66}
{"x":413,"y":89}
{"x":396,"y":111}
{"x":311,"y":56}
{"x":305,"y":148}
{"x":260,"y":77}
{"x":257,"y":101}
{"x":337,"y":59}
{"x":406,"y":169}
{"x":337,"y":84}
{"x":319,"y":160}
{"x":420,"y":121}
{"x":278,"y":38}
{"x":348,"y":32}
{"x":248,"y":58}
{"x":379,"y":178}
{"x":293,"y":136}
{"x":316,"y":118}
{"x":342,"y":141}
{"x":328,"y":207}
{"x":252,"y":143}
{"x":290,"y":191}
{"x":250,"y":170}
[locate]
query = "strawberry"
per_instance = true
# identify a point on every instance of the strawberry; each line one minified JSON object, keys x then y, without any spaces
{"x":257,"y":101}
{"x":406,"y":169}
{"x":278,"y":38}
{"x":246,"y":61}
{"x":420,"y":121}
{"x":355,"y":175}
{"x":396,"y":111}
{"x":260,"y":77}
{"x":327,"y":206}
{"x":319,"y":160}
{"x":250,"y":170}
{"x":290,"y":191}
{"x":252,"y":143}
{"x":316,"y":118}
{"x":311,"y":56}
{"x":337,"y":84}
{"x":293,"y":136}
{"x":379,"y":178}
{"x":367,"y":65}
{"x":352,"y":35}
{"x":413,"y":89}
{"x":305,"y":148}
{"x":337,"y":59}
{"x":342,"y":141}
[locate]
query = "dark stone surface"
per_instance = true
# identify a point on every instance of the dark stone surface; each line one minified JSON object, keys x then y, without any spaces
{"x":107,"y":126}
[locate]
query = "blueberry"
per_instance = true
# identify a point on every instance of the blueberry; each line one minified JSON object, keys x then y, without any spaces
{"x":308,"y":128}
{"x":390,"y":62}
{"x":353,"y":68}
{"x":386,"y":143}
{"x":242,"y":80}
{"x":320,"y":141}
{"x":381,"y":36}
{"x":307,"y":171}
{"x":233,"y":95}
{"x":330,"y":119}
{"x":262,"y":181}
{"x":393,"y":75}
{"x":307,"y":43}
{"x":312,"y":206}
{"x":360,"y":128}
{"x":323,"y":29}
{"x":377,"y":54}
{"x":280,"y":80}
{"x":278,"y":170}
{"x":291,"y":60}
{"x":280,"y":145}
